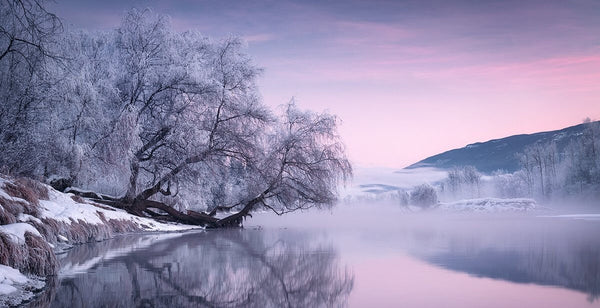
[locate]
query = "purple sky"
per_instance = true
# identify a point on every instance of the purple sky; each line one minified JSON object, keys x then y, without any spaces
{"x":409,"y":79}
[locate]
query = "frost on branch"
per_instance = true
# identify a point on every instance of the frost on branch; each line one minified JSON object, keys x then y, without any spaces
{"x":165,"y":124}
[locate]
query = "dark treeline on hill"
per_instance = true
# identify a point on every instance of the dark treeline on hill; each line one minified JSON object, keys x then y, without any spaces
{"x":170,"y":124}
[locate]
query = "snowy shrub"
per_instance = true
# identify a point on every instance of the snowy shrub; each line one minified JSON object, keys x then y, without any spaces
{"x":423,"y":196}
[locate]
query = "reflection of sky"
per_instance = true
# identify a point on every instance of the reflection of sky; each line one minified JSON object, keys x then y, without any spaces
{"x":408,"y":78}
{"x":402,"y":281}
{"x":429,"y":260}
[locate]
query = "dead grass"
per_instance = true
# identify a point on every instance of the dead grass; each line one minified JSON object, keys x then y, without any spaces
{"x":23,"y":188}
{"x":79,"y":231}
{"x":9,"y":251}
{"x":33,"y":257}
{"x":18,"y":190}
{"x":36,"y":256}
{"x":78,"y":199}
{"x":39,"y":190}
{"x":10,"y":210}
{"x":42,"y":260}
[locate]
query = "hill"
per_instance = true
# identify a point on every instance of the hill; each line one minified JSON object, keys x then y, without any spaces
{"x":498,"y":154}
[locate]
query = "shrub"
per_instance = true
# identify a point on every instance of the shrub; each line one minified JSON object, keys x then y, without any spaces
{"x":424,"y":196}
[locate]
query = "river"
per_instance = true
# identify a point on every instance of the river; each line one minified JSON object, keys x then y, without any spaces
{"x":357,"y":256}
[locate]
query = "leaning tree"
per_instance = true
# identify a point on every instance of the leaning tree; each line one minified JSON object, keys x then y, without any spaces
{"x":197,"y":117}
{"x":171,"y":122}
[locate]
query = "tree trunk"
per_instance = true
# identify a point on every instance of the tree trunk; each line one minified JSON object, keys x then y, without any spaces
{"x":235,"y":220}
{"x":132,"y":189}
{"x":143,"y":208}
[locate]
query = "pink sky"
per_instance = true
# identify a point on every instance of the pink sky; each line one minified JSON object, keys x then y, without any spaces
{"x":409,"y":79}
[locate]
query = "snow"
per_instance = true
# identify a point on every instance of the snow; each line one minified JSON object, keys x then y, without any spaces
{"x":6,"y":289}
{"x":6,"y":196}
{"x":61,"y":207}
{"x":15,"y":287}
{"x":16,"y":231}
{"x":592,"y":217}
{"x":489,"y":205}
{"x":9,"y":277}
{"x":26,"y":217}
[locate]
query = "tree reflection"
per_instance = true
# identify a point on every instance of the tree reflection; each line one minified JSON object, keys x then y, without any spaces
{"x":538,"y":251}
{"x":226,"y":268}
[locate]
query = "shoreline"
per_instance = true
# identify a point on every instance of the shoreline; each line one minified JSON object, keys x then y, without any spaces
{"x":37,"y":223}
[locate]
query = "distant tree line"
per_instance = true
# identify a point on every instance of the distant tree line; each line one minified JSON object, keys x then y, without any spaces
{"x":546,"y":173}
{"x":170,"y":124}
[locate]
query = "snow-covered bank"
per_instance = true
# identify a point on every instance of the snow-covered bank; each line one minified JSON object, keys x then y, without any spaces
{"x":489,"y":205}
{"x":590,"y":217}
{"x":16,"y":287}
{"x":36,"y":221}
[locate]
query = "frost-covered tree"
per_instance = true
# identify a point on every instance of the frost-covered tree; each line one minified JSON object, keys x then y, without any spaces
{"x":303,"y":163}
{"x":575,"y":169}
{"x":510,"y":185}
{"x":464,"y":181}
{"x":27,"y":34}
{"x":170,"y":124}
{"x":187,"y":121}
{"x":540,"y":162}
{"x":582,"y":159}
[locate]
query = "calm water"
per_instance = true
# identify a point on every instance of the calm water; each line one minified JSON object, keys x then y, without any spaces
{"x":352,"y":256}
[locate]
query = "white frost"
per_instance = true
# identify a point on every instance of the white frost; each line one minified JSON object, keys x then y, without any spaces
{"x":26,"y":217}
{"x":15,"y":288}
{"x":490,"y":205}
{"x":9,"y":277}
{"x":576,"y":216}
{"x":16,"y":231}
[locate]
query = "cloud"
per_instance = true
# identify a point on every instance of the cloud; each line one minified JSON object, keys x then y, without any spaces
{"x":259,"y":38}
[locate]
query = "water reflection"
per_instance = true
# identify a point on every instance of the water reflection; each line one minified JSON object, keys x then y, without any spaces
{"x":524,"y":249}
{"x":396,"y":260}
{"x":225,"y":268}
{"x":533,"y":251}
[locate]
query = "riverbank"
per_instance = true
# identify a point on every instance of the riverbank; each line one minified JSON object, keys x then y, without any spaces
{"x":36,"y":222}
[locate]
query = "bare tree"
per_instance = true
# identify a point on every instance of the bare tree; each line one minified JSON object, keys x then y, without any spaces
{"x":26,"y":28}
